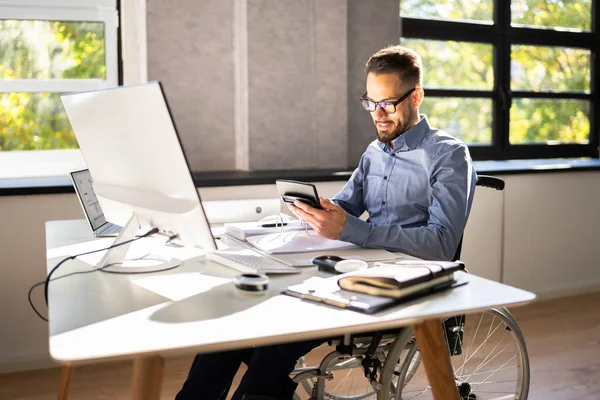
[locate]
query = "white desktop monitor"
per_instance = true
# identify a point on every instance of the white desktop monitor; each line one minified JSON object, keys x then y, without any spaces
{"x":132,"y":149}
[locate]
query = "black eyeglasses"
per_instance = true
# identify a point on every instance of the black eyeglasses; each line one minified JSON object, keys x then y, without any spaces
{"x":388,"y":106}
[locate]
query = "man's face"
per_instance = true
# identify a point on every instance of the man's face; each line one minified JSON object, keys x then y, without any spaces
{"x":388,"y":87}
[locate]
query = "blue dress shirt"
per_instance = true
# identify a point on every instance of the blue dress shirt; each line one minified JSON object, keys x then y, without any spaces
{"x":418,"y":194}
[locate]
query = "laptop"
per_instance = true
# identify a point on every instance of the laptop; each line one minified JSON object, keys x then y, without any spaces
{"x":82,"y":182}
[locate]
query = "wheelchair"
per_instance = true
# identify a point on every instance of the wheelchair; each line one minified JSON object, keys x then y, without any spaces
{"x":487,"y":351}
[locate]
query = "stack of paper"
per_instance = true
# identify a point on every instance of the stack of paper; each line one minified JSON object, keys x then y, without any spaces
{"x":296,"y":242}
{"x":244,"y":230}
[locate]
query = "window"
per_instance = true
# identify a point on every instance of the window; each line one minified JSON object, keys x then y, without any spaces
{"x":513,"y":79}
{"x":49,"y":48}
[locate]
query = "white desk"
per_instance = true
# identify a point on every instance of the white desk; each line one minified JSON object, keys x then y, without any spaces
{"x":99,"y":316}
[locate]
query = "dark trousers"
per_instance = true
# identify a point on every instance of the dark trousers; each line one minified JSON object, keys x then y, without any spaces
{"x":268,"y":372}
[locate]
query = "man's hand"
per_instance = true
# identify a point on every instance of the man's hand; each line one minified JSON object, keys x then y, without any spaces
{"x":328,"y":222}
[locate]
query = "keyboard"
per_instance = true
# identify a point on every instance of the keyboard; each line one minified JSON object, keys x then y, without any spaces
{"x":109,"y":229}
{"x":249,"y":261}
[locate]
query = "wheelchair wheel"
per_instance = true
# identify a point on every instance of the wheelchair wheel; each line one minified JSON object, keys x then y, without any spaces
{"x":349,"y":382}
{"x":489,"y":359}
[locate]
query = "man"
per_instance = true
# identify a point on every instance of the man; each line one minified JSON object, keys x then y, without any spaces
{"x":415,"y":182}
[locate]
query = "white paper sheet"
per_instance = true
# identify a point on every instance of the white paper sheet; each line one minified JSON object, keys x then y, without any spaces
{"x":296,"y":242}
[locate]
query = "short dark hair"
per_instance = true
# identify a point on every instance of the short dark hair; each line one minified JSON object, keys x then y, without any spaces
{"x":397,"y":60}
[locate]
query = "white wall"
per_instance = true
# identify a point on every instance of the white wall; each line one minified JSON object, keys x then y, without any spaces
{"x":551,"y":232}
{"x":540,"y":234}
{"x":23,"y":336}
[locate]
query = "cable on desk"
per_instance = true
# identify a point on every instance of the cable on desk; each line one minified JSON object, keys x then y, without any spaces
{"x":31,"y":289}
{"x":48,"y":279}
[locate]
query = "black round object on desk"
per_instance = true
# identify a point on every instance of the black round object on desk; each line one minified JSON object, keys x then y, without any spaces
{"x":253,"y":283}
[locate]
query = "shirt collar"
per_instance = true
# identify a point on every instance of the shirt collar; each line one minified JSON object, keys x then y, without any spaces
{"x":411,"y":137}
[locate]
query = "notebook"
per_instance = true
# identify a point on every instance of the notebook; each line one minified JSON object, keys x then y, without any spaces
{"x":402,"y":278}
{"x":83,"y":184}
{"x":369,"y":291}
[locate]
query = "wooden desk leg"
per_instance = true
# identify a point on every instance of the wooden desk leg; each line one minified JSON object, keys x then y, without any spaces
{"x":147,"y":378}
{"x":65,"y":380}
{"x":436,"y":358}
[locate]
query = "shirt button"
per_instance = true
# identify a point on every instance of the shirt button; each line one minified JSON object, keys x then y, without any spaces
{"x":385,"y":178}
{"x":383,"y":202}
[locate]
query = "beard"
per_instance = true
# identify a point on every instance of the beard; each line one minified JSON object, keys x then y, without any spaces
{"x":397,"y":128}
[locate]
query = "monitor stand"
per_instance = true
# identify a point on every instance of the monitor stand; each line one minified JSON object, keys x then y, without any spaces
{"x":115,"y":260}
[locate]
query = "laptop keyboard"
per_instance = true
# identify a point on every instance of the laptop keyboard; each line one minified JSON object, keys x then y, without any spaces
{"x":109,"y":229}
{"x":248,"y":261}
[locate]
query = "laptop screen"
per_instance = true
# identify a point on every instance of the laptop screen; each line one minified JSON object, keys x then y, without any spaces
{"x":82,"y":181}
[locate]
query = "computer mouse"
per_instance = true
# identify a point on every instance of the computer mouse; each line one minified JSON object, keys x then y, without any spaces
{"x":327,"y":263}
{"x":350,"y":265}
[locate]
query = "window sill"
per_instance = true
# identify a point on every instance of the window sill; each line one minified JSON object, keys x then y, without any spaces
{"x":62,"y":184}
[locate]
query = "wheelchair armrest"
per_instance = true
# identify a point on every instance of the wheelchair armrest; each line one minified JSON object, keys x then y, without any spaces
{"x":490,"y":181}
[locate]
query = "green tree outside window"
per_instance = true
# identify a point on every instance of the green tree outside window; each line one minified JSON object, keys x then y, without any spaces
{"x":44,"y":50}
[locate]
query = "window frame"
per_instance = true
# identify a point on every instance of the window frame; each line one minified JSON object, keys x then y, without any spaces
{"x":501,"y":35}
{"x":104,"y":11}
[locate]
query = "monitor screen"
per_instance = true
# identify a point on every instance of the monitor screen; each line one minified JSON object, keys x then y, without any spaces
{"x":132,"y":149}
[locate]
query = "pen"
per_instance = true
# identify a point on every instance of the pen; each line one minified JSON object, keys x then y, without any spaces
{"x":274,"y":225}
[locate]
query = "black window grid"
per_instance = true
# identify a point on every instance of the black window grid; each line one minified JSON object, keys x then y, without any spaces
{"x":501,"y":35}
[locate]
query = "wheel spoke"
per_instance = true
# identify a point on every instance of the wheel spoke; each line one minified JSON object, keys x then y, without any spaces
{"x":427,"y":389}
{"x":466,"y":354}
{"x":481,"y":345}
{"x":507,"y":397}
{"x":486,"y":361}
{"x":493,"y":382}
{"x":493,"y":391}
{"x":492,"y":374}
{"x":486,"y":372}
{"x":419,"y":376}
